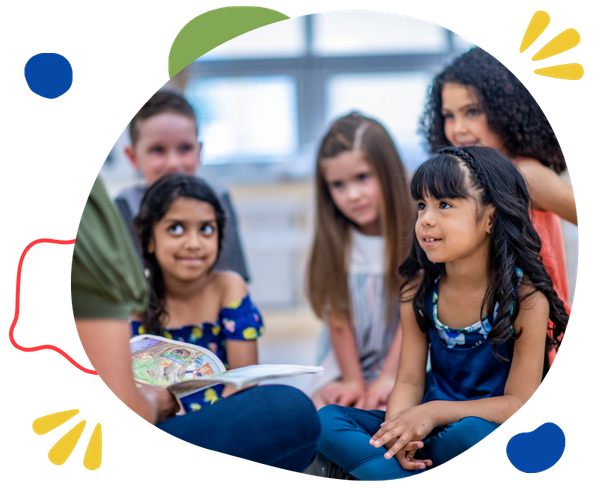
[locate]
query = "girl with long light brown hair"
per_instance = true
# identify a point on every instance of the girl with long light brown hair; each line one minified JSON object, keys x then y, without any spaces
{"x":364,"y":218}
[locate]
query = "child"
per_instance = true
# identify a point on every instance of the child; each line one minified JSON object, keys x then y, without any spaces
{"x":478,"y":298}
{"x":107,"y":285}
{"x":477,"y":101}
{"x":164,"y":140}
{"x":364,"y":216}
{"x":180,"y":228}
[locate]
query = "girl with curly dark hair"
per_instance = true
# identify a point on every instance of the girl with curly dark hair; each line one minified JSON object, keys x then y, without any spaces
{"x":476,"y":100}
{"x":476,"y":299}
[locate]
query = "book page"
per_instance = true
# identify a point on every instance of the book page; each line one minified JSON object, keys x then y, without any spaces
{"x":162,"y":362}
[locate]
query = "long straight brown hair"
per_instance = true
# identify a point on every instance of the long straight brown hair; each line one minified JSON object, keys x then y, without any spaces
{"x":327,"y":274}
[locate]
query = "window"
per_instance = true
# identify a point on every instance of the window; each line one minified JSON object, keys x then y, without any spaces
{"x":394,"y":99}
{"x":279,"y":40}
{"x":359,"y":33}
{"x":245,"y":118}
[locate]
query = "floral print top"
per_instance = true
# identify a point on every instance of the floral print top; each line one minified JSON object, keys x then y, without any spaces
{"x":238,"y":321}
{"x":467,"y":337}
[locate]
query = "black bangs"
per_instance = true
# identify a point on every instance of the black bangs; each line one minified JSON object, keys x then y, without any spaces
{"x":440,"y":177}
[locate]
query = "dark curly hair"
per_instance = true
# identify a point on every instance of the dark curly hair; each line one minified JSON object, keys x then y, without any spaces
{"x":511,"y":111}
{"x":155,"y":204}
{"x":489,"y":177}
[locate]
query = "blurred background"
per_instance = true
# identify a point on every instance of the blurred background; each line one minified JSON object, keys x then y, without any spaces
{"x":263,"y":102}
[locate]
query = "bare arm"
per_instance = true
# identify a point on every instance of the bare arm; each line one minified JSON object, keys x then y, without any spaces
{"x":350,"y":389}
{"x":240,"y":353}
{"x":410,"y":379}
{"x":378,"y":392}
{"x":548,"y":190}
{"x":346,"y":353}
{"x":106,"y":343}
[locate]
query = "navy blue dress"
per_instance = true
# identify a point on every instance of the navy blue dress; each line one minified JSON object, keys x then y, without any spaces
{"x":463,"y":364}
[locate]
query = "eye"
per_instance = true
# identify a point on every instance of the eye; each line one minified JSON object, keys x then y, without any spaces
{"x":176,"y":229}
{"x":444,"y":205}
{"x":156,"y":150}
{"x":185,"y":148}
{"x":362,"y":176}
{"x":447,"y":116}
{"x":473,"y":112}
{"x":336,"y":185}
{"x":420,"y":206}
{"x":208,"y":230}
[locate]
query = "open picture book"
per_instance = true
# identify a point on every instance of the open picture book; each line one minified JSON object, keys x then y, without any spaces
{"x":186,"y":368}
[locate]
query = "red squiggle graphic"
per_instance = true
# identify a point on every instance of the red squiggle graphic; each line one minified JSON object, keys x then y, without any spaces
{"x":17,"y":310}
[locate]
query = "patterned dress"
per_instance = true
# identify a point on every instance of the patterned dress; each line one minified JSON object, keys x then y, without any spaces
{"x":239,"y":321}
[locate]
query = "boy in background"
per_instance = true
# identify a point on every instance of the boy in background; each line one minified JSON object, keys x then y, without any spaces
{"x":164,"y":140}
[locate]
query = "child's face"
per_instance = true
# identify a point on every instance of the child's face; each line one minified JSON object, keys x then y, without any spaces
{"x":465,"y":123}
{"x":167,"y":143}
{"x":449,"y":231}
{"x":185,"y":241}
{"x":355,"y":190}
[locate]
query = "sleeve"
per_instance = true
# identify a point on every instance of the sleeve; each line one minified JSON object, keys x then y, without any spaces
{"x":124,"y":210}
{"x":106,"y":278}
{"x":241,"y":321}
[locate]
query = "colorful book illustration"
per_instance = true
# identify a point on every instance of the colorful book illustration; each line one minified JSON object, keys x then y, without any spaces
{"x":186,"y":368}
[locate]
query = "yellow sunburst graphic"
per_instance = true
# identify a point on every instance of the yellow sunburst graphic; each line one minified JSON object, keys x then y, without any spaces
{"x":61,"y":451}
{"x":564,"y":41}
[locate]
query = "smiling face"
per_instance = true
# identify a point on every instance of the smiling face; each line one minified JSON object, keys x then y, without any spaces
{"x":167,"y":143}
{"x":449,"y":230}
{"x":355,"y":190}
{"x":185,"y":241}
{"x":465,"y":122}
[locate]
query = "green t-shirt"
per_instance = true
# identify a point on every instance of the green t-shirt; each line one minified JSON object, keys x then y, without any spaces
{"x":106,"y":279}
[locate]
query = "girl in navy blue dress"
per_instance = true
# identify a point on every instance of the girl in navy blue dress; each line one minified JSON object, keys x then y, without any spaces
{"x":180,"y":227}
{"x":477,"y":298}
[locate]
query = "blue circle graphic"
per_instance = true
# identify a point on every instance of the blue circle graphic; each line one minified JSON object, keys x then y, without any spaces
{"x":49,"y":75}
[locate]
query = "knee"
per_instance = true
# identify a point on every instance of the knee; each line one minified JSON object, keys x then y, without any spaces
{"x":476,"y":425}
{"x":456,"y":438}
{"x":294,"y":409}
{"x":331,"y":417}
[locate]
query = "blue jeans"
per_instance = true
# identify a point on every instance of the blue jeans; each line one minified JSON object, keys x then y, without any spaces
{"x":346,"y":434}
{"x":274,"y":424}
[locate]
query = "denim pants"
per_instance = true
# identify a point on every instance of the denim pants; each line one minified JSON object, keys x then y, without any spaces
{"x":273,"y":424}
{"x":347,"y":431}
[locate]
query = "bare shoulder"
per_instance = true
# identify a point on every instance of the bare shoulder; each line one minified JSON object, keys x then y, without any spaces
{"x":530,"y":295}
{"x":408,"y":288}
{"x":231,"y":286}
{"x":534,"y":309}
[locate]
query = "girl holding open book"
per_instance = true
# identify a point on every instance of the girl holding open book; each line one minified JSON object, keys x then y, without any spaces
{"x":276,"y":425}
{"x":180,"y":227}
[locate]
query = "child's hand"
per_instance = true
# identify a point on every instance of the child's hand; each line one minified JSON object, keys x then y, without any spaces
{"x":376,"y":396}
{"x":165,"y":403}
{"x":407,"y":460}
{"x":347,"y":393}
{"x":401,"y":431}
